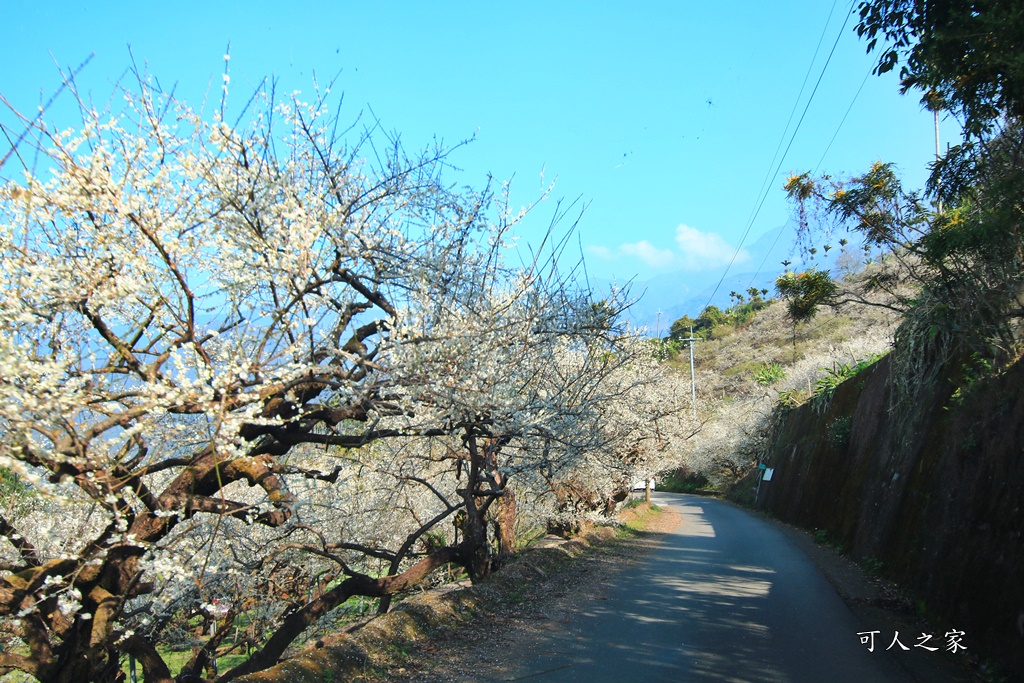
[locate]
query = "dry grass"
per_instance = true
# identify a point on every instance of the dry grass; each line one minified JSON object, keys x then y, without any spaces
{"x":725,"y":366}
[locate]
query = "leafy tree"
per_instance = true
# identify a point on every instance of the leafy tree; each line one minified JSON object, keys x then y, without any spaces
{"x":804,"y":292}
{"x":964,"y":57}
{"x":681,"y":328}
{"x":965,"y":251}
{"x":707,"y":320}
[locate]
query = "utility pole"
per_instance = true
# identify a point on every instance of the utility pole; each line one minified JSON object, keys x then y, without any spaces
{"x":657,"y":332}
{"x":693,"y":381}
{"x":938,"y":156}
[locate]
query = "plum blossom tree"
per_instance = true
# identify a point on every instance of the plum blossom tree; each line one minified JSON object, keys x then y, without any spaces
{"x":248,"y":370}
{"x":638,"y":429}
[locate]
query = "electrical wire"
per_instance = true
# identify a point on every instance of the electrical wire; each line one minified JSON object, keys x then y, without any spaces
{"x":764,"y":195}
{"x":792,"y":112}
{"x":840,"y":126}
{"x":815,"y":171}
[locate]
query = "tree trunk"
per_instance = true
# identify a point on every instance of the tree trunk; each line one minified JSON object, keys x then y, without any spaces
{"x":476,"y":551}
{"x":614,"y":500}
{"x":505,"y":523}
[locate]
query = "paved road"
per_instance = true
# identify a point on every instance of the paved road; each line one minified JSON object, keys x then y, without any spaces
{"x":726,"y":598}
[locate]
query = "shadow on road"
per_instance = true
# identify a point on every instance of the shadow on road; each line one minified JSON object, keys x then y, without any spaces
{"x":725,"y":597}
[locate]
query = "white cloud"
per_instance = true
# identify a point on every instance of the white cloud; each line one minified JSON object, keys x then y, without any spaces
{"x":704,"y":250}
{"x":649,"y":254}
{"x":695,"y":251}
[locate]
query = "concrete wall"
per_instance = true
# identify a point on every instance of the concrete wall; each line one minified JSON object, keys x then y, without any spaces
{"x":937,"y":497}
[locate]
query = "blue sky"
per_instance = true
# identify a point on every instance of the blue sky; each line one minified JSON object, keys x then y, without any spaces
{"x":663,"y":118}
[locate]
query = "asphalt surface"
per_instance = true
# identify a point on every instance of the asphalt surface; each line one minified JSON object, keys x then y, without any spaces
{"x":726,"y":598}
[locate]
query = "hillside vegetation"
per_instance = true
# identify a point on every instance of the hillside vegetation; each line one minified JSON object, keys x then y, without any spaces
{"x":254,"y":377}
{"x":916,"y":463}
{"x":752,"y":362}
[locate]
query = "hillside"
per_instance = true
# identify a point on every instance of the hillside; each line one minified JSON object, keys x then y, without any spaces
{"x":934,"y":482}
{"x":743,"y":370}
{"x":667,"y":296}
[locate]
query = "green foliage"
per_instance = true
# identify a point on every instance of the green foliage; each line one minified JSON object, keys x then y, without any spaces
{"x":18,"y":495}
{"x":965,"y":248}
{"x":681,"y":328}
{"x":875,"y":205}
{"x":706,"y":321}
{"x":434,"y":538}
{"x":825,"y":387}
{"x":684,"y":481}
{"x":769,"y":374}
{"x":666,"y":348}
{"x":804,"y":292}
{"x":967,"y":260}
{"x":967,"y":57}
{"x":176,"y":660}
{"x":825,"y":537}
{"x":839,"y":373}
{"x":636,"y":524}
{"x":839,"y":431}
{"x":13,"y":485}
{"x":791,"y":399}
{"x":976,"y":368}
{"x":712,"y":317}
{"x":743,"y":313}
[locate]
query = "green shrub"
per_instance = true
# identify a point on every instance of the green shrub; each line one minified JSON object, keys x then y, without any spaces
{"x":839,"y":431}
{"x":804,"y":292}
{"x":791,"y":399}
{"x":839,"y":373}
{"x":684,"y":481}
{"x":769,"y":373}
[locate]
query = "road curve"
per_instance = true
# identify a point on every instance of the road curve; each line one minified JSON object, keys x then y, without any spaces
{"x":726,"y":598}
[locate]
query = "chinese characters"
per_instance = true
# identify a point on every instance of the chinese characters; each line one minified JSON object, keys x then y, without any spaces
{"x":952,"y":641}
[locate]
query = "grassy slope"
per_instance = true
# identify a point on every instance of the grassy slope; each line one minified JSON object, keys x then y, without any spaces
{"x":736,"y":406}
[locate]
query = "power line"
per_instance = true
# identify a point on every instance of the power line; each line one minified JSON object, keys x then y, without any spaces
{"x":764,"y":194}
{"x":796,"y":103}
{"x":839,"y":127}
{"x":822,"y":159}
{"x":768,"y":174}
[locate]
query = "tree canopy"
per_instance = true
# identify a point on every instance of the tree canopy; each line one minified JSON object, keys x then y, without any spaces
{"x":964,"y":57}
{"x":250,"y":370}
{"x":965,"y":248}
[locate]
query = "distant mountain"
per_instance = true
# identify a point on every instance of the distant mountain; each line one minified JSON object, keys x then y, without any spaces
{"x":666,"y":298}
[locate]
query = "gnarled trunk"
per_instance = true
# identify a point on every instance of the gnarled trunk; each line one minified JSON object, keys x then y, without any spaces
{"x":504,"y":522}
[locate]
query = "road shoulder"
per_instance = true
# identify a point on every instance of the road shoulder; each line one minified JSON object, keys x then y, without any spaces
{"x":878,"y":606}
